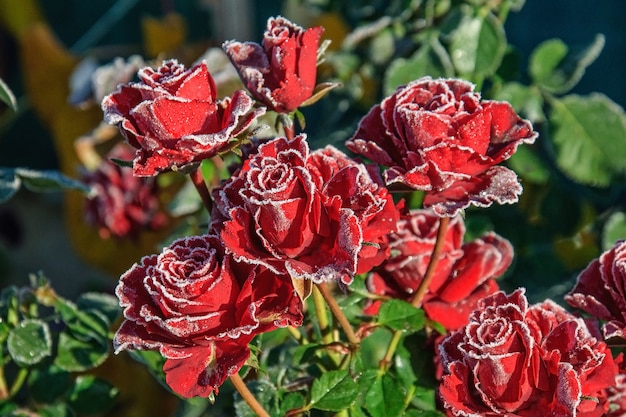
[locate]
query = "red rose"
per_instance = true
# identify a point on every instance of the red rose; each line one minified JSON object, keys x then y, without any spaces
{"x":601,"y":291}
{"x":306,"y":214}
{"x":172,"y":118}
{"x":516,"y":360}
{"x":438,"y":136}
{"x":281,"y":72}
{"x":465,"y":272}
{"x":122,"y":205}
{"x":200,"y":309}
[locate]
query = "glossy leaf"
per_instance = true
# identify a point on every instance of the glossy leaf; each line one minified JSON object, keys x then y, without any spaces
{"x":614,"y":230}
{"x":557,"y":68}
{"x":333,"y":391}
{"x":589,"y":136}
{"x":76,"y":355}
{"x":48,"y":384}
{"x":385,"y":398}
{"x":91,"y":395}
{"x":430,"y":59}
{"x":47,"y":180}
{"x":55,"y":410}
{"x":400,"y":315}
{"x":30,"y":342}
{"x":106,"y":304}
{"x":478,"y":44}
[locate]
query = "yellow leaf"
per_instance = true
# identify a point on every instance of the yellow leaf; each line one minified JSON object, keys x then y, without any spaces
{"x":162,"y":36}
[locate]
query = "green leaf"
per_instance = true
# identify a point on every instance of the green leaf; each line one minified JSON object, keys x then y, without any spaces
{"x":614,"y":230}
{"x":333,"y":391}
{"x":430,"y":59}
{"x":30,"y":342}
{"x":76,"y":355}
{"x":589,"y":137}
{"x":7,"y":96}
{"x":477,"y":45}
{"x":9,"y":184}
{"x":106,"y":304}
{"x":48,"y":384}
{"x":385,"y":398}
{"x":264,"y":392}
{"x":55,"y":410}
{"x":400,"y":315}
{"x":44,"y":181}
{"x":528,"y":165}
{"x":422,"y":413}
{"x":91,"y":395}
{"x":88,"y":325}
{"x":557,"y":69}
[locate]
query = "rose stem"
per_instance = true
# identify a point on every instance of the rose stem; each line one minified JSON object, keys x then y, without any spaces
{"x":322,"y":317}
{"x":421,"y":290}
{"x":287,"y":123}
{"x":338,"y":313}
{"x":247,"y":396}
{"x":198,"y":181}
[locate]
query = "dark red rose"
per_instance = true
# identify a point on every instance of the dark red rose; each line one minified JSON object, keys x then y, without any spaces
{"x":601,"y":291}
{"x":122,"y":205}
{"x":301,"y":213}
{"x":518,"y":360}
{"x":172,"y":118}
{"x":200,"y":309}
{"x":465,"y":273}
{"x":281,"y":72}
{"x":438,"y":136}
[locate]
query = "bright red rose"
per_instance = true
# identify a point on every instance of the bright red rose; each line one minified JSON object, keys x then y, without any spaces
{"x":518,"y":360}
{"x":465,"y":272}
{"x":172,"y":118}
{"x":200,"y":309}
{"x":601,"y":291}
{"x":438,"y":136}
{"x":281,"y":72}
{"x":301,"y":213}
{"x":122,"y":205}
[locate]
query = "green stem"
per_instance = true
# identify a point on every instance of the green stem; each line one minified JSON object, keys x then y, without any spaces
{"x":422,"y":289}
{"x":198,"y":181}
{"x":287,"y":122}
{"x":338,"y":313}
{"x":19,"y":381}
{"x":4,"y":390}
{"x":322,"y":318}
{"x":247,"y":396}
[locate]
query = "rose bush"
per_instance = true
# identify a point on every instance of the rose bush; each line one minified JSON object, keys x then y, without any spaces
{"x":465,"y":273}
{"x":518,"y":360}
{"x":172,"y":118}
{"x":122,"y":204}
{"x":302,"y":213}
{"x":200,"y":309}
{"x":440,"y":137}
{"x":281,"y":72}
{"x":601,"y":291}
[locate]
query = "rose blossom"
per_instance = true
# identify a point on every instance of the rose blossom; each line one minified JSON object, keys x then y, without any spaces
{"x":200,"y":309}
{"x":438,"y":136}
{"x":601,"y":291}
{"x":172,"y":118}
{"x":281,"y":72}
{"x":302,"y":213}
{"x":518,"y":360}
{"x":122,"y":205}
{"x":465,"y":273}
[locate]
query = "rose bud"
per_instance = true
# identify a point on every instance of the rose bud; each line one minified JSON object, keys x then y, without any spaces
{"x":173,"y":120}
{"x":200,"y":309}
{"x":465,"y":273}
{"x":122,"y":205}
{"x":302,"y":213}
{"x":518,"y":360}
{"x":281,"y":72}
{"x":439,"y":137}
{"x":601,"y":291}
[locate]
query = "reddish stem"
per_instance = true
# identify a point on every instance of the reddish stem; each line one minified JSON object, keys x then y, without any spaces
{"x":338,"y":313}
{"x":432,"y":264}
{"x":247,"y":396}
{"x":198,"y":181}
